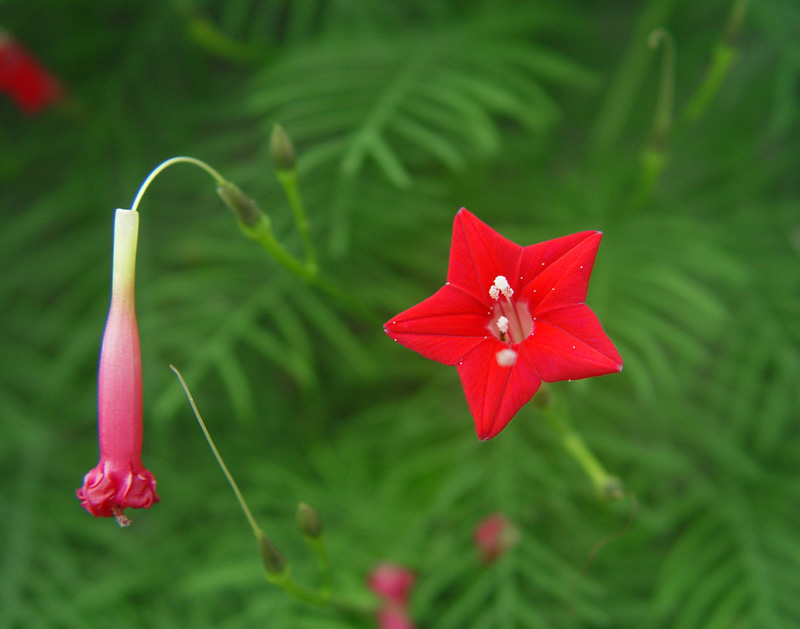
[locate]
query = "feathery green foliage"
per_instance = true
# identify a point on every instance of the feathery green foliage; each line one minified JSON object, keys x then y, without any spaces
{"x":537,"y":117}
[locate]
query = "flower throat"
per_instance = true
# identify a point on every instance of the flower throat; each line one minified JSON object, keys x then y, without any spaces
{"x":511,"y":321}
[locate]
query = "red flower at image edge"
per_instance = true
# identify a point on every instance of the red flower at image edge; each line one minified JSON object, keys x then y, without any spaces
{"x":509,"y":318}
{"x":27,"y":82}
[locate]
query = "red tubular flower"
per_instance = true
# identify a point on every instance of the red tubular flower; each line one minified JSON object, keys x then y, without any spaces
{"x":509,"y":318}
{"x":30,"y":86}
{"x":120,"y":480}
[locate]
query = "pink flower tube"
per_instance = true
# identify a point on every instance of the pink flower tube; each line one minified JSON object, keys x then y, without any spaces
{"x":119,"y":480}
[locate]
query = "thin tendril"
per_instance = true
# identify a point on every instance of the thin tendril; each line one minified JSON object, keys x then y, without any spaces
{"x":610,"y":538}
{"x":175,"y":160}
{"x":256,"y":530}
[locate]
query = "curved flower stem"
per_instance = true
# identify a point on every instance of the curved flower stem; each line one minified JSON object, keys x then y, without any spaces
{"x":261,"y":230}
{"x":722,"y":59}
{"x":654,"y":154}
{"x":277,"y":570}
{"x":251,"y":520}
{"x":606,"y":485}
{"x":164,"y":165}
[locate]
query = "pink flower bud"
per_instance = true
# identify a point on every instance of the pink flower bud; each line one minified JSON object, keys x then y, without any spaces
{"x":494,"y":535}
{"x":119,"y":480}
{"x":392,"y":582}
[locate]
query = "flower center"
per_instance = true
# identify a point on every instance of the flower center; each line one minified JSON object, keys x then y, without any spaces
{"x":511,"y":321}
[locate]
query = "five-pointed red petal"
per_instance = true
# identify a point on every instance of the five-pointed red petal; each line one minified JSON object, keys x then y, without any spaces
{"x":457,"y":325}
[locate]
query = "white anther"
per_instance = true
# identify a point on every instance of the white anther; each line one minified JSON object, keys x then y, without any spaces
{"x":500,"y":286}
{"x":502,"y":325}
{"x":506,"y":357}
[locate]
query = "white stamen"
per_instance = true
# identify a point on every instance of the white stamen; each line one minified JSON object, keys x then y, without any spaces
{"x":500,"y":286}
{"x":502,"y":325}
{"x":506,"y":357}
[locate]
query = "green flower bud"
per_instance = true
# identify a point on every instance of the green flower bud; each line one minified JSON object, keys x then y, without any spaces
{"x":246,"y":210}
{"x":309,"y":521}
{"x":282,"y":149}
{"x":612,"y":489}
{"x":274,"y":562}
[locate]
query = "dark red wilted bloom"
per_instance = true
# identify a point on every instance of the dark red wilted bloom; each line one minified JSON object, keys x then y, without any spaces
{"x":27,"y":82}
{"x":120,"y":481}
{"x":509,"y":318}
{"x":494,"y":535}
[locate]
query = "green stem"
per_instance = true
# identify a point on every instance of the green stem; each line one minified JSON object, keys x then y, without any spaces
{"x":288,"y":179}
{"x":164,"y":165}
{"x":318,"y":598}
{"x":666,"y":87}
{"x":281,"y":576}
{"x":318,"y":546}
{"x":607,"y":485}
{"x":722,"y":59}
{"x":262,"y":234}
{"x":654,"y":155}
{"x":253,"y":525}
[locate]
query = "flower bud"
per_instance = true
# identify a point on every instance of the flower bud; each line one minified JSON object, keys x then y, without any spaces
{"x":494,"y":536}
{"x":282,"y":149}
{"x":612,"y":489}
{"x":309,"y":521}
{"x":392,"y":582}
{"x":274,"y":562}
{"x":245,"y":208}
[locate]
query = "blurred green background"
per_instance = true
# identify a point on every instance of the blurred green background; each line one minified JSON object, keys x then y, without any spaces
{"x":539,"y":118}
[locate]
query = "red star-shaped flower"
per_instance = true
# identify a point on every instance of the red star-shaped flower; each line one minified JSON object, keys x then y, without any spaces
{"x":510,"y":317}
